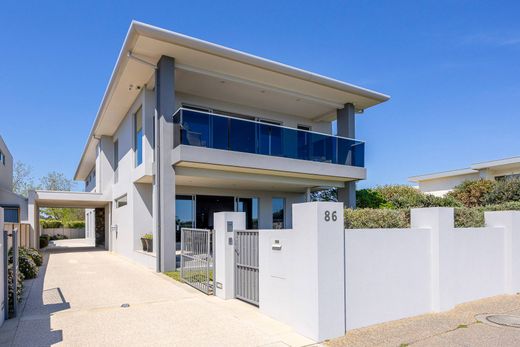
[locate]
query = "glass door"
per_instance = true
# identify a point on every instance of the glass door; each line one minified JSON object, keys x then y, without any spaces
{"x":184,"y":214}
{"x":250,"y":207}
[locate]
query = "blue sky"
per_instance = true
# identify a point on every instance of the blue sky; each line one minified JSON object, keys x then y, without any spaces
{"x":451,"y":67}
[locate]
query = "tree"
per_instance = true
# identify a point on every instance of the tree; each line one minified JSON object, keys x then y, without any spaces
{"x":22,"y":179}
{"x":56,"y":181}
{"x":325,"y":195}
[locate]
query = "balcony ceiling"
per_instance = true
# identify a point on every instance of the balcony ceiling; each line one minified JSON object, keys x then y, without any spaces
{"x":201,"y":69}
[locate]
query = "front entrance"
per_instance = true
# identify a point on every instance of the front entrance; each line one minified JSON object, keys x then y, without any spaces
{"x":207,"y":205}
{"x":196,"y":211}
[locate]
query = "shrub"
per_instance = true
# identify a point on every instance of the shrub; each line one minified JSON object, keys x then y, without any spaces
{"x":10,"y":284}
{"x":26,"y":264}
{"x":44,"y":240}
{"x":369,"y":198}
{"x":503,"y":191}
{"x":466,"y":217}
{"x":147,"y":236}
{"x":401,"y":196}
{"x":473,"y":193}
{"x":75,"y":224}
{"x":58,"y":237}
{"x":369,"y":218}
{"x":35,"y":255}
{"x":50,"y":223}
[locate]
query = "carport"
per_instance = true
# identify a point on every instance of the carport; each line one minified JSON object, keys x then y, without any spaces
{"x":98,"y":203}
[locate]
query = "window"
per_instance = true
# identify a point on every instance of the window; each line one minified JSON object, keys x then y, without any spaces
{"x":138,"y":136}
{"x":251,"y":207}
{"x":507,"y":177}
{"x":11,"y":215}
{"x":2,"y":157}
{"x":278,"y":213}
{"x":116,"y":161}
{"x":122,"y":201}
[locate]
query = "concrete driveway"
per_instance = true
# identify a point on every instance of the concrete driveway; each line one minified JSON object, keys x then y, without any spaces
{"x":76,"y":300}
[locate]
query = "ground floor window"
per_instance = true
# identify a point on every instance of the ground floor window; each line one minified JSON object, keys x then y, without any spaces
{"x":184,"y":210}
{"x":278,"y":213}
{"x":11,"y":214}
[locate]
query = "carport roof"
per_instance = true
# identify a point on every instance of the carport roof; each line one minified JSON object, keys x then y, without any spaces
{"x":46,"y":198}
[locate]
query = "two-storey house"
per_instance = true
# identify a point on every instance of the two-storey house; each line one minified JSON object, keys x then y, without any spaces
{"x":187,"y":128}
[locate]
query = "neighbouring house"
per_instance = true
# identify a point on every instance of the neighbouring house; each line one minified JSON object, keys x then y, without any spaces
{"x":187,"y":128}
{"x":441,"y":183}
{"x":14,"y":205}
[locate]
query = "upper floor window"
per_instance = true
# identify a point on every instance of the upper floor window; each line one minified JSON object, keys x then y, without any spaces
{"x":138,"y":136}
{"x":2,"y":157}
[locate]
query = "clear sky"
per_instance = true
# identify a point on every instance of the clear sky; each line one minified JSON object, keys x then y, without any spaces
{"x":451,"y":67}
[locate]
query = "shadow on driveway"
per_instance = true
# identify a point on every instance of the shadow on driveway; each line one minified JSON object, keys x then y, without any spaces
{"x":33,"y":324}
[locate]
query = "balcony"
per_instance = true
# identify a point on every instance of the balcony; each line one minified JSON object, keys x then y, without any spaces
{"x":215,"y":131}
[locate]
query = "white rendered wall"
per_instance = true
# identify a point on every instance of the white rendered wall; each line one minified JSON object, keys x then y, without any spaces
{"x":302,"y":283}
{"x":388,"y":275}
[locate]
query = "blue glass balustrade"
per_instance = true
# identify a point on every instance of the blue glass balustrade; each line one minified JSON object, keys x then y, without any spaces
{"x":234,"y":134}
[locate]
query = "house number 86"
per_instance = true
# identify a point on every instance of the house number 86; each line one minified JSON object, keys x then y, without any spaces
{"x":329,"y":215}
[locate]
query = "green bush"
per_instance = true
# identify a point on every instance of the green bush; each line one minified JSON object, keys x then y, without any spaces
{"x":370,"y":218}
{"x":58,"y":237}
{"x":503,"y":192}
{"x":147,"y":236}
{"x":44,"y":240}
{"x":51,"y":223}
{"x":473,"y":193}
{"x":401,"y":196}
{"x":75,"y":224}
{"x":35,"y":255}
{"x":26,"y":264}
{"x":466,"y":217}
{"x":10,"y":284}
{"x":370,"y":198}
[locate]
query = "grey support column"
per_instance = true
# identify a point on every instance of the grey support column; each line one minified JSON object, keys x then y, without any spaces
{"x":164,"y":182}
{"x":346,"y":123}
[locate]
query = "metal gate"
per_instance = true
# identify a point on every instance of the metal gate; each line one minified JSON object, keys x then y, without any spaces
{"x":197,"y":261}
{"x":246,"y":266}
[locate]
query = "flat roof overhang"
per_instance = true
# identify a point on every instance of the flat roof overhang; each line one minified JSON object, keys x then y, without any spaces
{"x":62,"y":199}
{"x":500,"y":164}
{"x":217,"y":72}
{"x":200,"y":166}
{"x":443,"y":174}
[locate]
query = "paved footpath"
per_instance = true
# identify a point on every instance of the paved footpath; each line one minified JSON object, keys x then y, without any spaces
{"x":458,"y":327}
{"x":76,"y":301}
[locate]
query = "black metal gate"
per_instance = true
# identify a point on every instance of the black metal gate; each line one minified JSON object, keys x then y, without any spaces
{"x":246,"y":266}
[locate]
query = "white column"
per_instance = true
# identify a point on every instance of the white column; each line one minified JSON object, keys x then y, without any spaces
{"x":225,"y":223}
{"x":510,"y":221}
{"x":441,"y":222}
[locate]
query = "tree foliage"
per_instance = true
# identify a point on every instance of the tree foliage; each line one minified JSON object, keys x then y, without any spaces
{"x":473,"y":193}
{"x":23,"y":180}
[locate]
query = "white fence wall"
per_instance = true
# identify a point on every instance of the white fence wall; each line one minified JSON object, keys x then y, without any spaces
{"x":388,"y":274}
{"x":323,"y":280}
{"x":77,"y":233}
{"x":475,"y":264}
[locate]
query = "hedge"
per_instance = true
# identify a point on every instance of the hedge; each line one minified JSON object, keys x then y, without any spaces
{"x":369,"y":218}
{"x":54,"y":224}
